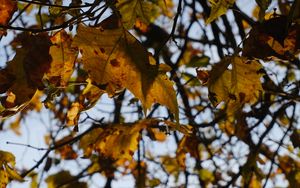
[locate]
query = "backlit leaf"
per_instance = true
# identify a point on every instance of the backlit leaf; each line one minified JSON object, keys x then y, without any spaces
{"x":131,"y":10}
{"x":13,"y":174}
{"x":117,"y":141}
{"x":7,"y":9}
{"x":7,"y":171}
{"x":218,"y":8}
{"x":7,"y":157}
{"x":116,"y":60}
{"x":3,"y":178}
{"x":237,"y":86}
{"x":206,"y":176}
{"x":63,"y":58}
{"x":73,"y":114}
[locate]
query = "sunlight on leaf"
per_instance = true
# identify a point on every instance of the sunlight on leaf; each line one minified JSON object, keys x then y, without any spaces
{"x":237,"y":86}
{"x":218,"y":8}
{"x":7,"y":9}
{"x":117,"y":141}
{"x":63,"y":59}
{"x":135,"y":9}
{"x":73,"y":114}
{"x":116,"y":60}
{"x":7,"y":171}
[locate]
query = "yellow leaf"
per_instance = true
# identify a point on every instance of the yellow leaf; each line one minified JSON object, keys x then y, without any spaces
{"x":130,"y":10}
{"x":13,"y":174}
{"x":91,"y":93}
{"x":156,"y":135}
{"x":218,"y":8}
{"x":3,"y":178}
{"x":116,"y":60}
{"x":7,"y":157}
{"x":73,"y":114}
{"x":206,"y":175}
{"x":237,"y":86}
{"x":117,"y":141}
{"x":63,"y":58}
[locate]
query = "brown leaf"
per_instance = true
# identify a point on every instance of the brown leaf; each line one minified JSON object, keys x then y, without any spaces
{"x":272,"y":38}
{"x":23,"y":75}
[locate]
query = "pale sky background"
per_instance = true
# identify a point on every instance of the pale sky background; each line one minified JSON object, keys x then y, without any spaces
{"x":34,"y":128}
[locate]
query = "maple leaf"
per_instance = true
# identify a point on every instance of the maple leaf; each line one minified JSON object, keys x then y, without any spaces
{"x":22,"y":76}
{"x":237,"y":86}
{"x":63,"y":59}
{"x":7,"y":9}
{"x":133,"y":9}
{"x":115,"y":59}
{"x":218,"y":8}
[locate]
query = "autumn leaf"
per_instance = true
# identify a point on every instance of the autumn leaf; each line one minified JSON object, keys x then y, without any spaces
{"x":116,"y":60}
{"x":73,"y":114}
{"x":63,"y":59}
{"x":237,"y":86}
{"x":131,"y":10}
{"x":92,"y":94}
{"x":7,"y":171}
{"x":263,"y":6}
{"x":117,"y":141}
{"x":22,"y":76}
{"x":66,"y":151}
{"x":269,"y":39}
{"x":7,"y":9}
{"x":218,"y":8}
{"x":206,"y":176}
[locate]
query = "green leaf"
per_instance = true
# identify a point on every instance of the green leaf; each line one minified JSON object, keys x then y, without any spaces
{"x":218,"y":8}
{"x":116,"y":59}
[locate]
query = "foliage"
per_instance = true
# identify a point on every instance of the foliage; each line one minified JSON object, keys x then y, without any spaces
{"x":169,"y":93}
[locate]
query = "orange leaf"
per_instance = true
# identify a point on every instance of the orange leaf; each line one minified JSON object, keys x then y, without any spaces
{"x":7,"y":9}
